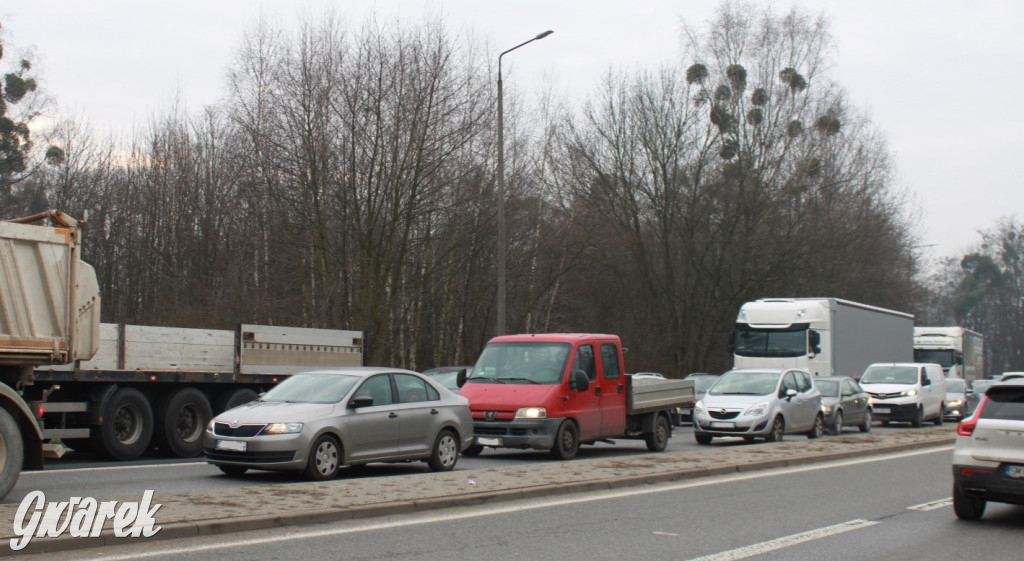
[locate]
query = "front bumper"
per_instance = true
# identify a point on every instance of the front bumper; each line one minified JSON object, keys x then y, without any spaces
{"x":536,"y":434}
{"x":991,"y":484}
{"x":740,"y":425}
{"x":277,"y":452}
{"x":885,"y":411}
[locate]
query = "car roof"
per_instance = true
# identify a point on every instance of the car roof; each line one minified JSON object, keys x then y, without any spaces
{"x":551,"y":337}
{"x":905,"y":364}
{"x":1013,"y":383}
{"x":764,"y":370}
{"x":361,"y":371}
{"x":837,"y":378}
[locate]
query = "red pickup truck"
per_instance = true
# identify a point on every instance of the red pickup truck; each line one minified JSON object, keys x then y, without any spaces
{"x":556,"y":391}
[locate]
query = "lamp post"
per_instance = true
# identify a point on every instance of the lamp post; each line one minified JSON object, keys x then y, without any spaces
{"x":501,"y":190}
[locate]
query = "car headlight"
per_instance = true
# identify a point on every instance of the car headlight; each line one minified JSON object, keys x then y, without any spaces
{"x":909,"y":392}
{"x":826,"y":408}
{"x":209,"y":426}
{"x":956,"y":402}
{"x":698,"y":407}
{"x":531,"y":413}
{"x":282,"y":428}
{"x":757,"y":410}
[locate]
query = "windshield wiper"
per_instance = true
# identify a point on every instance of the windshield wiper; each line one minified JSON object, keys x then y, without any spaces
{"x":485,"y":377}
{"x":521,"y":378}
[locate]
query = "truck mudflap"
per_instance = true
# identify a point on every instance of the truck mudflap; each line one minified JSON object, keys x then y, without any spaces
{"x":536,"y":434}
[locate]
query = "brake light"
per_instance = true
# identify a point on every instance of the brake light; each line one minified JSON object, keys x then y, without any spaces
{"x":967,"y":426}
{"x":40,"y":411}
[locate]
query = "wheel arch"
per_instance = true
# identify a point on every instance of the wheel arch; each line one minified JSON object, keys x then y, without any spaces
{"x":31,"y":435}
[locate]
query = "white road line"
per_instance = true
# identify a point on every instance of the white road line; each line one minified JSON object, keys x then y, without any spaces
{"x":664,"y":534}
{"x":786,"y":541}
{"x":111,"y":468}
{"x":461,"y":513}
{"x":934,"y":505}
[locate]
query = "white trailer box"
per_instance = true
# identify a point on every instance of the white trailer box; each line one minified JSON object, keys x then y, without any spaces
{"x":825,"y":336}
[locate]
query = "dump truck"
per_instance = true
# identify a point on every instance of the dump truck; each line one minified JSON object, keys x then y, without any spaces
{"x":68,"y":381}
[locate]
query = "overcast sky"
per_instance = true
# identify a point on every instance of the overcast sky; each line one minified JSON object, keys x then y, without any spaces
{"x":942,"y":80}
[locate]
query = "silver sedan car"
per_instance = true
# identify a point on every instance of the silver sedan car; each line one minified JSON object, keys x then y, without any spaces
{"x":316,"y":422}
{"x":759,"y":403}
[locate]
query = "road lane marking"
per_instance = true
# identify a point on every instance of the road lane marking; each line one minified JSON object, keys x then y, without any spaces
{"x":111,"y":468}
{"x":462,"y":513}
{"x":786,"y":541}
{"x":664,"y":534}
{"x":933,"y":505}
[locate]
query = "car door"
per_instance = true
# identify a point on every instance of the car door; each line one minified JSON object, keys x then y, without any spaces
{"x":612,"y":401}
{"x":371,"y":432}
{"x":418,"y":413}
{"x":791,"y":407}
{"x":854,"y":401}
{"x":810,"y":397}
{"x":931,"y":399}
{"x":585,"y":405}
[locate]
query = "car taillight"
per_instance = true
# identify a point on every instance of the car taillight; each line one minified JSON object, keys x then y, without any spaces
{"x":967,"y":426}
{"x":40,"y":411}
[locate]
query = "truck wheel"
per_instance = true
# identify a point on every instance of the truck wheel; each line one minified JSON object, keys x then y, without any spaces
{"x":657,"y":439}
{"x":446,"y":452}
{"x":324,"y":459}
{"x":181,"y":420}
{"x":230,"y":399}
{"x":567,"y":441}
{"x":818,"y":428}
{"x":866,"y":425}
{"x":702,"y":438}
{"x":777,"y":432}
{"x":918,"y":418}
{"x":12,"y":452}
{"x":127,"y":425}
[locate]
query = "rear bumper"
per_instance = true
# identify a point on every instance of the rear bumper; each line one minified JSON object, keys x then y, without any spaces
{"x":991,"y":484}
{"x":536,"y":434}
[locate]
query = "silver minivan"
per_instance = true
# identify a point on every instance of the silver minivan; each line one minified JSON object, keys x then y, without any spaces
{"x":759,"y":403}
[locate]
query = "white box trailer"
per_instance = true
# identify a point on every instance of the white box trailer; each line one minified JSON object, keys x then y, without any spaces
{"x":825,"y":336}
{"x":960,"y":351}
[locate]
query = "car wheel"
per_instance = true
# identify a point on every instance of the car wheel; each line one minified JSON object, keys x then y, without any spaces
{"x":918,"y":418}
{"x":837,"y":423}
{"x":702,"y":438}
{"x":657,"y":439}
{"x":567,"y":441}
{"x":446,"y":452}
{"x":232,"y":471}
{"x":967,"y":507}
{"x":473,"y":451}
{"x":865,"y":426}
{"x":819,"y":427}
{"x":324,"y":459}
{"x":777,"y":432}
{"x":942,"y":413}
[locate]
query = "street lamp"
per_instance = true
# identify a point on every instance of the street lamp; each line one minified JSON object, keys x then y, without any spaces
{"x":501,"y":190}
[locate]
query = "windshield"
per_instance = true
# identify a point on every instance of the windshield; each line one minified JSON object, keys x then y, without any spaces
{"x":745,"y":383}
{"x":890,"y":375}
{"x":312,"y":388}
{"x":703,"y":383}
{"x":829,"y":388}
{"x":943,"y":357}
{"x":955,"y":386}
{"x":521,"y":363}
{"x":774,"y":343}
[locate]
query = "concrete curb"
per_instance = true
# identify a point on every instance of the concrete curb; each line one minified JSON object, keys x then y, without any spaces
{"x":185,"y":529}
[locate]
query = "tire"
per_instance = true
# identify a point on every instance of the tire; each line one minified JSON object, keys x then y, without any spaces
{"x":232,"y":471}
{"x":180,"y":421}
{"x":918,"y":418}
{"x":324,"y":459}
{"x":473,"y":451}
{"x":942,"y":413}
{"x":865,"y":426}
{"x":127,"y":425}
{"x":230,"y":399}
{"x":819,"y":427}
{"x":837,"y":423}
{"x":446,"y":452}
{"x":12,"y":452}
{"x":567,"y":441}
{"x":965,"y":506}
{"x":778,"y":430}
{"x":657,"y":439}
{"x":702,"y":438}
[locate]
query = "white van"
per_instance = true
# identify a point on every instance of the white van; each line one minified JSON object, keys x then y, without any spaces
{"x":911,"y":392}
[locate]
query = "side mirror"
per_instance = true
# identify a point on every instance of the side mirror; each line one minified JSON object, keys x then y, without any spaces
{"x":460,"y":378}
{"x":790,"y":393}
{"x":361,"y":401}
{"x":579,"y":381}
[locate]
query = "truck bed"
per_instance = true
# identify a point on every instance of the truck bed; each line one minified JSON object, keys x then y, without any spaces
{"x":648,"y":394}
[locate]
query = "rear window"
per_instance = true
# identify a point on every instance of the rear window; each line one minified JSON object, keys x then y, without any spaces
{"x":1004,"y":404}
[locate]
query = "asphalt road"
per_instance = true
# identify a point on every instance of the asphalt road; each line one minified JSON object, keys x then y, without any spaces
{"x":880,"y":507}
{"x":82,"y":475}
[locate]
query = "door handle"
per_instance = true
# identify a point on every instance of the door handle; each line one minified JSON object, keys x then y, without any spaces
{"x":393,"y":415}
{"x":433,"y":411}
{"x":621,"y":388}
{"x":597,"y":390}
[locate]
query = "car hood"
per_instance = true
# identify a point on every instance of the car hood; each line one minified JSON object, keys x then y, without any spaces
{"x":729,"y":401}
{"x":258,"y":412}
{"x":887,"y":388}
{"x":506,"y":397}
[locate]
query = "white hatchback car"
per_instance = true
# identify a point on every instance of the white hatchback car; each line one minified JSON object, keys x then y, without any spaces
{"x":988,"y":458}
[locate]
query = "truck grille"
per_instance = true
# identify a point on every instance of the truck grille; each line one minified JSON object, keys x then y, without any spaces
{"x":224,"y":429}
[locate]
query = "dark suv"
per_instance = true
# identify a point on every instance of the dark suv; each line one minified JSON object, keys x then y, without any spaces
{"x":988,"y":459}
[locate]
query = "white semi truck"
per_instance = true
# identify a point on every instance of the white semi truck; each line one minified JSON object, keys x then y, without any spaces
{"x":960,"y":351}
{"x":66,"y":380}
{"x":825,"y":336}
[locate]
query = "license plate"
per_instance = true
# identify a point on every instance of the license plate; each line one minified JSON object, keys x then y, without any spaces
{"x":881,"y":409}
{"x":484,"y":441}
{"x":232,"y":445}
{"x":1015,"y":472}
{"x":720,"y":425}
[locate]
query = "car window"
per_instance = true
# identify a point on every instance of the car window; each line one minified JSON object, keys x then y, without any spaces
{"x":378,"y":387}
{"x":788,"y":383}
{"x":745,"y":383}
{"x":803,"y":382}
{"x":890,"y":375}
{"x":1006,"y":404}
{"x":585,"y":361}
{"x":955,"y":386}
{"x":312,"y":388}
{"x":828,"y":388}
{"x":850,"y":387}
{"x":412,"y":389}
{"x":610,"y":361}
